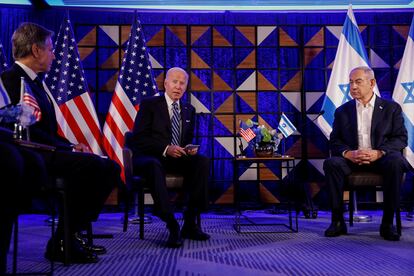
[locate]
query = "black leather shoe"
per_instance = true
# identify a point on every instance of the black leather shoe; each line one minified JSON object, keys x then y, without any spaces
{"x":336,"y":229}
{"x":96,"y":249}
{"x":194,"y":233}
{"x":77,"y":254}
{"x":389,"y":233}
{"x":174,"y":238}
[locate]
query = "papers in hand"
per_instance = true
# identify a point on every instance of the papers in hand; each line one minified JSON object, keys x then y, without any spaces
{"x":191,"y":147}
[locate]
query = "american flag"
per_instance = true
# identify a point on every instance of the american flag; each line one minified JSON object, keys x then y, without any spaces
{"x":246,"y":132}
{"x":30,"y":100}
{"x":135,"y":82}
{"x":75,"y":112}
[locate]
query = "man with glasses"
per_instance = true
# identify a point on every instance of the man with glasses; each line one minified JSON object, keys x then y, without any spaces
{"x":368,"y":134}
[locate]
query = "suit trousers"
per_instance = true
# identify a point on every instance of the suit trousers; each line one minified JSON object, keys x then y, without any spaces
{"x":89,"y":179}
{"x":391,"y":166}
{"x":195,"y":170}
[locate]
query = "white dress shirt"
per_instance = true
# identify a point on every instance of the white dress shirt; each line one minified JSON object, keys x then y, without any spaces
{"x":364,"y":120}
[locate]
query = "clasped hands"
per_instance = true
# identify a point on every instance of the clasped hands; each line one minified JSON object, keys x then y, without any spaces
{"x":363,"y":156}
{"x":177,"y":151}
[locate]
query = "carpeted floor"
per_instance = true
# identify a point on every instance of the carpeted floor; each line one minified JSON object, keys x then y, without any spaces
{"x":307,"y":252}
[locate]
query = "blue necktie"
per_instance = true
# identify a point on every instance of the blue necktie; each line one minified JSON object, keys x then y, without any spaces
{"x":175,"y":125}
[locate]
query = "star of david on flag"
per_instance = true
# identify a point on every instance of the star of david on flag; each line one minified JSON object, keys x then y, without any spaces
{"x":75,"y":112}
{"x":350,"y":54}
{"x":403,"y":92}
{"x":135,"y":81}
{"x":285,"y":126}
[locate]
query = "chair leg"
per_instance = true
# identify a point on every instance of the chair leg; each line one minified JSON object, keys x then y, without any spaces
{"x":15,"y":243}
{"x":141,"y":212}
{"x":126,"y":210}
{"x":351,"y":207}
{"x":398,"y":220}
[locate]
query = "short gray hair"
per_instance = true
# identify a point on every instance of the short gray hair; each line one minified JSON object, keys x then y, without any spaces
{"x":25,"y":36}
{"x":177,"y":69}
{"x":367,"y":70}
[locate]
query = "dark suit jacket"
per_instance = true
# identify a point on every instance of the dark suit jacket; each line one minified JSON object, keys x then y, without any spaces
{"x":152,"y":128}
{"x":44,"y":131}
{"x":388,"y":132}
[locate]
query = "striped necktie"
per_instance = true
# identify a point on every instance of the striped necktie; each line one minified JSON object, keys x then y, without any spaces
{"x":175,"y":125}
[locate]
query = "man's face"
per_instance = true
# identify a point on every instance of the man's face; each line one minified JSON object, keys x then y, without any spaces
{"x":175,"y":85}
{"x":45,"y":56}
{"x":361,"y":87}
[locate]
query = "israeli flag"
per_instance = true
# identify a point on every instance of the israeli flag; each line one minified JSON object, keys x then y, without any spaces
{"x":404,"y":92}
{"x":4,"y":97}
{"x":350,"y":54}
{"x":286,"y":126}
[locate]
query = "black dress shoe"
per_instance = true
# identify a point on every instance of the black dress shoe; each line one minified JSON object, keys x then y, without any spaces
{"x":336,"y":229}
{"x":92,"y":248}
{"x":389,"y":233}
{"x":194,"y":233}
{"x":77,"y":254}
{"x":174,"y":238}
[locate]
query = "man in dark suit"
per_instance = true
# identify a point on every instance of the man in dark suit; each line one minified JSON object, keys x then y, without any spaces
{"x":90,"y":178}
{"x":163,"y":127}
{"x":368,"y":134}
{"x":23,"y":174}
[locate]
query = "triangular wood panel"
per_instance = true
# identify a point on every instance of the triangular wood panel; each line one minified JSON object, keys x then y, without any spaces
{"x":263,"y":83}
{"x":89,"y":39}
{"x":249,"y":61}
{"x":310,"y":54}
{"x":317,"y":39}
{"x":180,"y":32}
{"x":197,"y":62}
{"x":157,"y":39}
{"x":197,"y":84}
{"x":261,"y":121}
{"x":294,"y":83}
{"x":285,"y":39}
{"x":226,"y":197}
{"x":266,"y":196}
{"x":197,"y":32}
{"x":227,"y":121}
{"x":295,"y":149}
{"x":249,"y":33}
{"x":125,"y":31}
{"x":402,"y":31}
{"x":266,"y":174}
{"x":85,"y":52}
{"x":160,"y":81}
{"x":227,"y":106}
{"x":112,"y":61}
{"x":110,"y":84}
{"x":362,"y":28}
{"x":249,"y":98}
{"x":219,"y":84}
{"x":219,"y":40}
{"x":313,"y":151}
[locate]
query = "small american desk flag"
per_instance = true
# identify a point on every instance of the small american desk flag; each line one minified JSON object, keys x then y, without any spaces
{"x":135,"y":82}
{"x":30,"y":100}
{"x":75,"y":112}
{"x":246,"y":132}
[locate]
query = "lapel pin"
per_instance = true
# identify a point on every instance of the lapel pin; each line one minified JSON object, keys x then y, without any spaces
{"x":187,"y":121}
{"x":380,"y":107}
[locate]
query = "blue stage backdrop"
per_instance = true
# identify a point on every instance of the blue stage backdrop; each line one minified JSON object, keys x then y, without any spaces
{"x":242,"y":65}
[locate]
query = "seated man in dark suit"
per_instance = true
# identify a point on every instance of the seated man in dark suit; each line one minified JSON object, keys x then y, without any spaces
{"x":368,"y":134}
{"x":163,"y":127}
{"x":23,"y":173}
{"x":89,"y":177}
